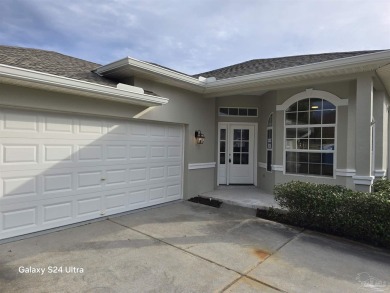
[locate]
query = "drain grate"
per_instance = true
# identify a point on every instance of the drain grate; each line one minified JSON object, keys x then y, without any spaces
{"x":206,"y":201}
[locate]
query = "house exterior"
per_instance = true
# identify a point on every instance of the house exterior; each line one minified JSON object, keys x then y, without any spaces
{"x":80,"y":140}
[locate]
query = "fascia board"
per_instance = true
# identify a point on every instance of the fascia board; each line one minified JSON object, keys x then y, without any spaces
{"x":302,"y":69}
{"x":46,"y":80}
{"x":150,"y":68}
{"x":105,"y":69}
{"x":213,"y":87}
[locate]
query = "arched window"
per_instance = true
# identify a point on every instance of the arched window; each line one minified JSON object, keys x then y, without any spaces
{"x":269,"y":143}
{"x":310,"y":128}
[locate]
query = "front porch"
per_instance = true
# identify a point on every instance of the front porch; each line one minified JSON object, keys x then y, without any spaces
{"x":245,"y":196}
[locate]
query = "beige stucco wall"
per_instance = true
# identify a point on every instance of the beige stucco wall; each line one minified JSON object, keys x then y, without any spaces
{"x":195,"y":112}
{"x":186,"y":108}
{"x":345,"y":152}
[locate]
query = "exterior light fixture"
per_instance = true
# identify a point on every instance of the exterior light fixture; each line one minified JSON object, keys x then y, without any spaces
{"x":199,"y":136}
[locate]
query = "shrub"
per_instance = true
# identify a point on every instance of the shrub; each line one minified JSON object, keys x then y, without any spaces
{"x":337,"y":210}
{"x":382,"y":185}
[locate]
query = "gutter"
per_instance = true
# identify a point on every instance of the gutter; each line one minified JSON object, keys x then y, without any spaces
{"x":313,"y":68}
{"x":30,"y":78}
{"x":354,"y":64}
{"x":149,"y":68}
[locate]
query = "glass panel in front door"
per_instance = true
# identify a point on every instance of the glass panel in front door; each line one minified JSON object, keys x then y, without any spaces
{"x":222,"y":146}
{"x":241,"y":146}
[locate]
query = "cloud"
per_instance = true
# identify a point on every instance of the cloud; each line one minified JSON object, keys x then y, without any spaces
{"x":195,"y":36}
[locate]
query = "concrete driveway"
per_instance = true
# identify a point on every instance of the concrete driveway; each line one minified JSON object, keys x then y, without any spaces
{"x":186,"y":247}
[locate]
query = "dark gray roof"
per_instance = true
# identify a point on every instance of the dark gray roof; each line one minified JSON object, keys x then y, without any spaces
{"x":67,"y":66}
{"x":53,"y":63}
{"x":263,"y":65}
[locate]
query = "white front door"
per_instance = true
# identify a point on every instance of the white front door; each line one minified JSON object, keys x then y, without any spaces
{"x":236,"y":154}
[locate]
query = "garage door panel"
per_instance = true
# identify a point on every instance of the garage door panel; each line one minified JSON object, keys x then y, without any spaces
{"x":90,"y":152}
{"x":116,"y":177}
{"x":19,"y":122}
{"x":138,"y":175}
{"x":19,"y":153}
{"x":57,"y":212}
{"x":58,"y":169}
{"x":138,"y":196}
{"x":18,"y":186}
{"x":115,"y":203}
{"x":157,"y":173}
{"x":157,"y":132}
{"x":58,"y":153}
{"x":138,"y":152}
{"x":22,"y":218}
{"x":90,"y":126}
{"x":157,"y":193}
{"x":89,"y":206}
{"x":174,"y":171}
{"x":58,"y":125}
{"x":117,"y":130}
{"x":174,"y":190}
{"x":116,"y":152}
{"x":174,"y":152}
{"x":93,"y":179}
{"x":158,"y":152}
{"x":55,"y":183}
{"x":138,"y":131}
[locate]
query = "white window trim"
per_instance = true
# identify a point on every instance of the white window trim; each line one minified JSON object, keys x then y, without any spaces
{"x":310,"y":93}
{"x":252,"y":108}
{"x":272,"y":143}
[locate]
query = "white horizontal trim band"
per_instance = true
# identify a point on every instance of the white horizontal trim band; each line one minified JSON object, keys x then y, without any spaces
{"x":380,"y":173}
{"x":352,"y":173}
{"x":195,"y":166}
{"x":363,"y":180}
{"x":345,"y":172}
{"x":279,"y":168}
{"x":262,"y":165}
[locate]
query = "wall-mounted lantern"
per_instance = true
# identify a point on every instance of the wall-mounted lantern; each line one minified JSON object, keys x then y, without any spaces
{"x":199,"y":136}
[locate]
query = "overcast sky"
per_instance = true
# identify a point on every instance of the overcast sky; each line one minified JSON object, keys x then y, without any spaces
{"x":195,"y":35}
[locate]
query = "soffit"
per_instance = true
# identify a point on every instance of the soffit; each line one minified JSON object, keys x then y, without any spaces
{"x":44,"y":81}
{"x":251,"y":83}
{"x":384,"y":75}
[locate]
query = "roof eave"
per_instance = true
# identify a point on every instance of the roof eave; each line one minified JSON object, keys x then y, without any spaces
{"x":130,"y":66}
{"x":342,"y":66}
{"x":30,"y":78}
{"x":350,"y":65}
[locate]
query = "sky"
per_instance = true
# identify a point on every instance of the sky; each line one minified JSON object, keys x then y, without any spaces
{"x":195,"y":36}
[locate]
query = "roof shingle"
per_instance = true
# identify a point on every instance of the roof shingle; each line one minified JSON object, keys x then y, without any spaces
{"x":67,"y":66}
{"x":263,"y":65}
{"x":52,"y":63}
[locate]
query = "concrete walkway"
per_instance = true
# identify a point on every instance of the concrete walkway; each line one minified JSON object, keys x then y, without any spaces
{"x":244,"y":196}
{"x":188,"y":247}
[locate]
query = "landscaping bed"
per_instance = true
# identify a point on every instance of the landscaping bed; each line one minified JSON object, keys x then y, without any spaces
{"x":336,"y":210}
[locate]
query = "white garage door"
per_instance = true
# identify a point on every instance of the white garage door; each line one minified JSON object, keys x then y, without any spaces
{"x":62,"y":169}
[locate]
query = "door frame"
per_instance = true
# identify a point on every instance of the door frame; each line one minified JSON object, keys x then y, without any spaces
{"x":227,"y":125}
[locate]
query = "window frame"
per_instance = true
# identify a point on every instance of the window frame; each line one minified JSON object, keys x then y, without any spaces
{"x":238,"y":112}
{"x":267,"y":148}
{"x":309,"y":151}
